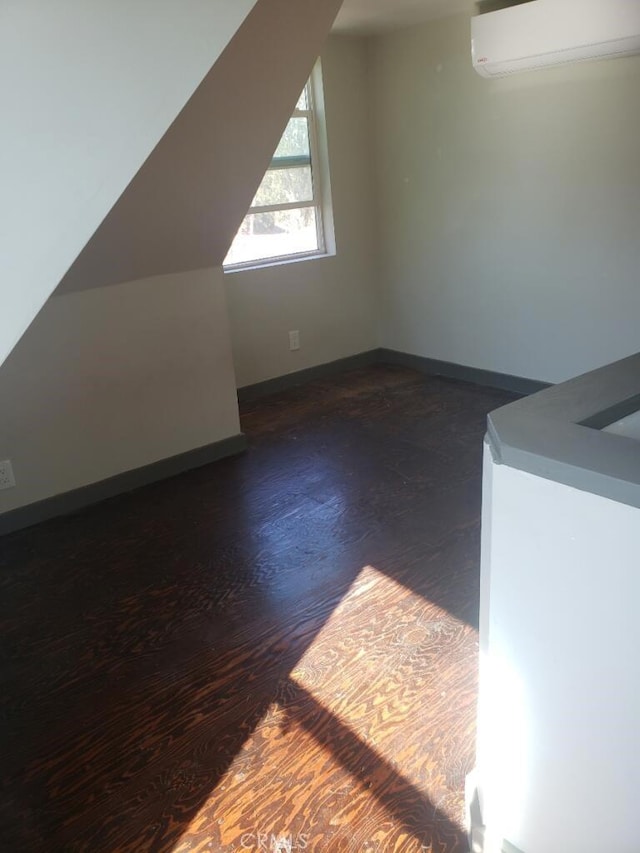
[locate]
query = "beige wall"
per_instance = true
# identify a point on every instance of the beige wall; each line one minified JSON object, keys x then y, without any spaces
{"x":329,"y":300}
{"x":508,"y":210}
{"x":111,"y":379}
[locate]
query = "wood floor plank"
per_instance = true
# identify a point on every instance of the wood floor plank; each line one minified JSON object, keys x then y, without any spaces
{"x":275,"y":652}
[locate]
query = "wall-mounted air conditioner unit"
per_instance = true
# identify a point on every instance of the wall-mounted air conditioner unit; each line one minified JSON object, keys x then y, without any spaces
{"x":552,"y":32}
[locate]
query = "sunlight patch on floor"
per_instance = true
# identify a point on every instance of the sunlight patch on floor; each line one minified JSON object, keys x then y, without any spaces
{"x":375,"y":667}
{"x":361,"y":737}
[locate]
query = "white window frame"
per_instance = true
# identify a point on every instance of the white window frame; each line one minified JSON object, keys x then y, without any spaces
{"x":319,"y":162}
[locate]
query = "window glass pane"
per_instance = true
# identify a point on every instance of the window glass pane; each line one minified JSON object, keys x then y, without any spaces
{"x":303,"y":101}
{"x":295,"y":139}
{"x":270,"y":235}
{"x":283,"y":186}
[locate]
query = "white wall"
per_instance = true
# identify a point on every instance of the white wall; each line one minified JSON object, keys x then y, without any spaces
{"x":508,"y":210}
{"x":559,"y":701}
{"x":110,"y":379}
{"x":89,"y":88}
{"x":499,"y":231}
{"x":329,"y":300}
{"x":130,"y":361}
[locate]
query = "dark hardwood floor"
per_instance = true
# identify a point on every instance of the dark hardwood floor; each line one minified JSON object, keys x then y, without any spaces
{"x":276,"y":652}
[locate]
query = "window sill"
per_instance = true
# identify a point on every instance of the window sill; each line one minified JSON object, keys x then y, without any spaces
{"x":277,"y":262}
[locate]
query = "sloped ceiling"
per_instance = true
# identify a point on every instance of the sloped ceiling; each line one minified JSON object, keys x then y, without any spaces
{"x":182,"y":209}
{"x":88,"y":89}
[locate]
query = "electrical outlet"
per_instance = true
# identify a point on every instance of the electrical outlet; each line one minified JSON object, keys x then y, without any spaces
{"x":294,"y":340}
{"x":7,"y":480}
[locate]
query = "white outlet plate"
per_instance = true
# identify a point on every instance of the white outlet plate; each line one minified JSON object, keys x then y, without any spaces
{"x":7,"y":480}
{"x":294,"y":340}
